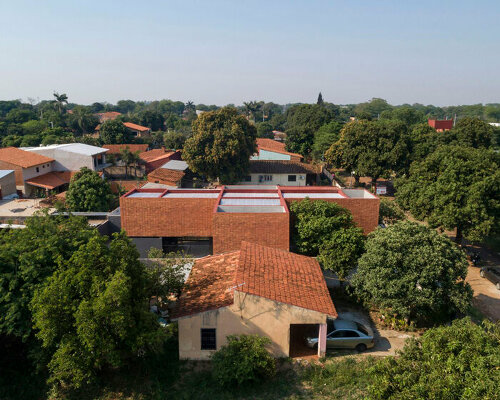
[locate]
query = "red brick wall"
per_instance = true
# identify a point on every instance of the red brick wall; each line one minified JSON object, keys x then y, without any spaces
{"x":230,"y":229}
{"x":18,"y":171}
{"x":364,"y":211}
{"x":150,"y":217}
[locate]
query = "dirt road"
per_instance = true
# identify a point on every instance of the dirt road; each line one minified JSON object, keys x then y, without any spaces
{"x":486,"y":295}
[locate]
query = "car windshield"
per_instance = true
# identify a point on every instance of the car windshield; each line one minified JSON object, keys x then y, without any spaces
{"x":362,"y":329}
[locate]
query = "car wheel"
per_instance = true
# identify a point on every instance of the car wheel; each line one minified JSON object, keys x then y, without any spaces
{"x":481,"y":273}
{"x":498,"y":286}
{"x":361,"y":347}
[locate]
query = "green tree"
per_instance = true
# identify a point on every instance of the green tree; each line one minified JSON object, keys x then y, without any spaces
{"x":129,"y":158}
{"x":389,"y":212}
{"x":34,"y":127}
{"x":28,"y":257}
{"x":473,"y":132}
{"x":88,"y":192}
{"x":243,"y":359}
{"x":174,"y":140}
{"x":406,"y":114}
{"x":455,"y":188}
{"x":325,"y":137}
{"x":265,"y":130}
{"x":151,"y":119}
{"x":60,"y":101}
{"x":327,"y":230}
{"x":371,"y":109}
{"x":221,"y":145}
{"x":411,"y":271}
{"x":83,"y":120}
{"x":114,"y":132}
{"x":320,"y":99}
{"x":461,"y":361}
{"x":92,"y":313}
{"x":371,"y":148}
{"x":424,"y":140}
{"x":302,"y":122}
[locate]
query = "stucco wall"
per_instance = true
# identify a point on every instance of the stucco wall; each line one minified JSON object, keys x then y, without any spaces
{"x":8,"y":184}
{"x":270,"y":155}
{"x":65,"y":160}
{"x":248,"y":315}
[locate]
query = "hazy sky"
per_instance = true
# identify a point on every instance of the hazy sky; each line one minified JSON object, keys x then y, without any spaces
{"x":219,"y":52}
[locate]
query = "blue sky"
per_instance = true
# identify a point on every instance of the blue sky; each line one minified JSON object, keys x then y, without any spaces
{"x":219,"y":52}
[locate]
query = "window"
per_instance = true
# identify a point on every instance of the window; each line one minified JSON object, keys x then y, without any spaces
{"x":37,"y":169}
{"x":43,"y":166}
{"x":351,"y":334}
{"x":248,"y":178}
{"x":208,"y":339}
{"x":292,"y":178}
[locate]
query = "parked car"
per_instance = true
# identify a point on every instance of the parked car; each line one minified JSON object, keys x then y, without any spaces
{"x":345,"y":334}
{"x":492,"y":274}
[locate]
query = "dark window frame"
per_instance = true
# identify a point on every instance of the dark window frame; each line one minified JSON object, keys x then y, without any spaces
{"x":292,"y":178}
{"x":208,"y":343}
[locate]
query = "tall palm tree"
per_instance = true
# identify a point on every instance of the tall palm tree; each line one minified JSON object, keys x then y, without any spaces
{"x":60,"y":101}
{"x":190,"y":106}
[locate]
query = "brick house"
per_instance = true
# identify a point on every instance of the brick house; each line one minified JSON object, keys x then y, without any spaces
{"x":172,"y":173}
{"x":137,"y":130}
{"x":253,"y":290}
{"x":155,"y":158}
{"x":440,"y":125}
{"x":214,"y":221}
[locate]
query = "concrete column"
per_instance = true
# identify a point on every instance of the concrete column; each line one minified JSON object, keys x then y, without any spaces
{"x":322,"y":340}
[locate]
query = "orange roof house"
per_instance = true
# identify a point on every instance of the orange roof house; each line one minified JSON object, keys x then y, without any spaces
{"x":157,"y":157}
{"x":137,"y":130}
{"x":269,"y":149}
{"x":166,"y":176}
{"x":108,"y":116}
{"x":441,"y":125}
{"x":255,"y":290}
{"x":116,"y":148}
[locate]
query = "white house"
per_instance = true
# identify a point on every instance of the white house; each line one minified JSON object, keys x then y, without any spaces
{"x":280,"y":172}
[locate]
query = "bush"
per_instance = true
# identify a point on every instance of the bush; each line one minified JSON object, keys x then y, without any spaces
{"x":244,"y":359}
{"x":461,"y":361}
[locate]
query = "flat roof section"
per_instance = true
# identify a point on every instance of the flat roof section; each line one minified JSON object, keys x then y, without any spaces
{"x":250,"y":202}
{"x":303,"y":195}
{"x":144,"y":194}
{"x":250,"y":195}
{"x":175,"y":195}
{"x":251,"y":209}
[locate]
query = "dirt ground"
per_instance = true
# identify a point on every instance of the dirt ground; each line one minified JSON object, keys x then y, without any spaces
{"x":486,"y":295}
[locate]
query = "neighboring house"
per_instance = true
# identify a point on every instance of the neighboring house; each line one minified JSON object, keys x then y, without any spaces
{"x":268,"y":149}
{"x":441,"y":125}
{"x":137,"y":130}
{"x":279,"y":136}
{"x":155,"y":158}
{"x":8,"y":188}
{"x":107,"y":116}
{"x":115,"y":149}
{"x":26,"y":165}
{"x":214,"y":221}
{"x":284,"y":173}
{"x":254,"y":290}
{"x":125,"y":186}
{"x":73,"y":156}
{"x":171,"y":173}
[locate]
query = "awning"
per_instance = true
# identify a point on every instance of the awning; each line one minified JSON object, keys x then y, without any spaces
{"x":50,"y":180}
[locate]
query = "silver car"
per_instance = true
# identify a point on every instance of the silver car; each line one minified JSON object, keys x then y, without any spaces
{"x":345,"y":334}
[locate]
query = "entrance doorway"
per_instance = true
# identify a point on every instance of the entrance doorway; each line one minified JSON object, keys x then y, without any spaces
{"x":298,"y":335}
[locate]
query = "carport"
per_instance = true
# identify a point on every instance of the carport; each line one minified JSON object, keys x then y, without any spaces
{"x":298,"y":335}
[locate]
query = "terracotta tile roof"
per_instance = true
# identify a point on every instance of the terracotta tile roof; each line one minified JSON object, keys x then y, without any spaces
{"x":167,"y":176}
{"x":115,"y":148}
{"x":136,"y":127}
{"x":108,"y":116}
{"x":259,"y":270}
{"x":273,"y":145}
{"x":126,"y":186}
{"x":155,"y":154}
{"x":207,"y":287}
{"x":22,"y":158}
{"x":281,"y":167}
{"x":51,"y":180}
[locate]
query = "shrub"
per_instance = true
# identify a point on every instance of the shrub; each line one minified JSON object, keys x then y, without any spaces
{"x":244,"y":359}
{"x":461,"y":361}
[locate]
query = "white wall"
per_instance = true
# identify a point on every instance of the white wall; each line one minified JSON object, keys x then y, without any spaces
{"x":270,"y":155}
{"x":65,"y":160}
{"x":277,"y":179}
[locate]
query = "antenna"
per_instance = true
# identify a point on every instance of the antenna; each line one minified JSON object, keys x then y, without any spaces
{"x":235,"y":287}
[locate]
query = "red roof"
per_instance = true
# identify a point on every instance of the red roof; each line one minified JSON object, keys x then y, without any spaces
{"x":51,"y":180}
{"x":126,"y":186}
{"x":22,"y":158}
{"x":136,"y":127}
{"x":115,"y":148}
{"x":273,"y":145}
{"x":167,"y":176}
{"x":155,"y":154}
{"x":258,"y":270}
{"x":108,"y":116}
{"x":441,"y":125}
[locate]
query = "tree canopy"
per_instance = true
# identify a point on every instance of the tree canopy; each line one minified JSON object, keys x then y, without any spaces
{"x":411,"y":271}
{"x":221,"y":145}
{"x":114,"y":132}
{"x":472,"y":132}
{"x":324,"y":137}
{"x":460,"y":361}
{"x":327,"y":230}
{"x":371,"y":148}
{"x":88,"y":192}
{"x":455,"y":188}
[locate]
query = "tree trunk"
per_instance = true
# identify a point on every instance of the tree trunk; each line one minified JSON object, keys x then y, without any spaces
{"x":356,"y":180}
{"x":459,"y":236}
{"x":374,"y":185}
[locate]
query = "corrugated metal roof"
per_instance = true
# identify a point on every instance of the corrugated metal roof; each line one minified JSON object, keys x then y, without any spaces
{"x":303,"y":195}
{"x":256,"y":195}
{"x":173,"y":195}
{"x":144,"y":194}
{"x":176,"y":165}
{"x":251,"y":209}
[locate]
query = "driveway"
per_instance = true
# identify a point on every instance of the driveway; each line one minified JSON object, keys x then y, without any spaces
{"x":486,"y":295}
{"x":387,"y":341}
